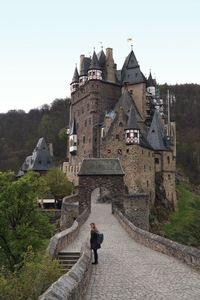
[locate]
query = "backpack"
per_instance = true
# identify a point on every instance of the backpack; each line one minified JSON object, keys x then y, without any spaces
{"x":100,"y":238}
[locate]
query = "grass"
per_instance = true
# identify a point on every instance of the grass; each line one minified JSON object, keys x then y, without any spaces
{"x":184,"y":224}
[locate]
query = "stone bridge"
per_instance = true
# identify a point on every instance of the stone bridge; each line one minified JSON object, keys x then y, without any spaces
{"x":128,"y":270}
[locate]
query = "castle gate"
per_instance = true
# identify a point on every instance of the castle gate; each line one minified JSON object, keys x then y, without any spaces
{"x":101,"y":172}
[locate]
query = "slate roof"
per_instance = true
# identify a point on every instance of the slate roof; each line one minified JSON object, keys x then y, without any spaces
{"x":132,"y":119}
{"x":75,"y":76}
{"x":126,"y":101}
{"x":102,"y":58}
{"x":101,"y":166}
{"x":150,"y":81}
{"x":157,"y":137}
{"x":131,"y":72}
{"x":40,"y":160}
{"x":94,"y":63}
{"x":85,"y":66}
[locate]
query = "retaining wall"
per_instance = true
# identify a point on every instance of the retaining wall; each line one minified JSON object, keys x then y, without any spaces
{"x":186,"y":254}
{"x":72,"y":285}
{"x":65,"y":237}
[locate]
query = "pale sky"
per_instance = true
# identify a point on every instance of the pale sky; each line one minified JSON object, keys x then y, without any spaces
{"x":41,"y":41}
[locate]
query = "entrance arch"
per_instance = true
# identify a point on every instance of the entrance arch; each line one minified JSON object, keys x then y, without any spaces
{"x":101,"y":172}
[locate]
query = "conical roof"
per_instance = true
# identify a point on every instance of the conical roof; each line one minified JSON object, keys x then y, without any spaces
{"x":101,"y":58}
{"x":130,"y":61}
{"x":157,"y":137}
{"x":150,"y":81}
{"x":94,"y":63}
{"x":85,"y":66}
{"x":75,"y":76}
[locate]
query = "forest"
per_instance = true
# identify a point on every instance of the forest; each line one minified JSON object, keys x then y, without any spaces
{"x":20,"y":131}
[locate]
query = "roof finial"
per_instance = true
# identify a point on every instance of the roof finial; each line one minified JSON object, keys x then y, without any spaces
{"x":130,"y":40}
{"x":101,"y":45}
{"x":94,"y":49}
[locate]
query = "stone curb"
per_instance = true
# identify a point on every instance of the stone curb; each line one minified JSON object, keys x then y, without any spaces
{"x":186,"y":254}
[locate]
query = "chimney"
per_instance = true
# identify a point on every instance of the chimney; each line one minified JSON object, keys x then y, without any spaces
{"x":82,"y":56}
{"x":110,"y":65}
{"x":51,"y":149}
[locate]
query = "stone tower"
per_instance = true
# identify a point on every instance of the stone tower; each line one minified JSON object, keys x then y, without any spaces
{"x":119,"y":114}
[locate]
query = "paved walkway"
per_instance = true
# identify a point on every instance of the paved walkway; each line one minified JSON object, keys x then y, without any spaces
{"x":129,"y":271}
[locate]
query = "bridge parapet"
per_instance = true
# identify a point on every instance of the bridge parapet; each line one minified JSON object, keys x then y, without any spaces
{"x":186,"y":254}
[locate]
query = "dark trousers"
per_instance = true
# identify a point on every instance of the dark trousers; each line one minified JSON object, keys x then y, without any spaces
{"x":95,"y":255}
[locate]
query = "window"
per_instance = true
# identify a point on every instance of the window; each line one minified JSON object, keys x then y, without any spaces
{"x":85,"y":123}
{"x":128,"y":134}
{"x":108,"y":151}
{"x":117,"y":137}
{"x":127,"y":150}
{"x":156,"y":161}
{"x":169,"y":177}
{"x":120,"y":124}
{"x":168,"y":159}
{"x":88,"y":106}
{"x":147,"y":183}
{"x":83,"y":139}
{"x":135,"y":134}
{"x":78,"y":141}
{"x":144,"y":168}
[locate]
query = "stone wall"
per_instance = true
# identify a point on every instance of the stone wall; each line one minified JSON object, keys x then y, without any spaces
{"x":72,"y":285}
{"x":113,"y":183}
{"x":89,"y":103}
{"x":137,"y":162}
{"x":62,"y":239}
{"x":188,"y":255}
{"x":136,"y":209}
{"x":69,"y":211}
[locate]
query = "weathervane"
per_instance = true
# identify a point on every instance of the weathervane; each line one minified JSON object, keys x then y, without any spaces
{"x":130,"y":40}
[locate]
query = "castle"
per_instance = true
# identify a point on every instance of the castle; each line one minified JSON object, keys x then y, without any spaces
{"x":119,"y":114}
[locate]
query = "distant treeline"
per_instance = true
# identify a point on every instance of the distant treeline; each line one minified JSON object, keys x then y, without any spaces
{"x":20,"y":131}
{"x":186,"y":113}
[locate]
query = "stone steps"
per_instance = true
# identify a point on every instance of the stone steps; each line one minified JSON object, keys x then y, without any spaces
{"x":68,"y":259}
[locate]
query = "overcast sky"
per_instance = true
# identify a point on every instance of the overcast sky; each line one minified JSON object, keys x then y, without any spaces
{"x":41,"y":41}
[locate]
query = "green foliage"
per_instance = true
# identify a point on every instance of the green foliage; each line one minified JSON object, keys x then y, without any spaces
{"x":186,"y":112}
{"x":36,"y":275}
{"x":20,"y":131}
{"x":22,"y":224}
{"x":58,"y":183}
{"x":185,"y":223}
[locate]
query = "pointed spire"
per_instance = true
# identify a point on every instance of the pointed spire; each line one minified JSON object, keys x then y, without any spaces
{"x":75,"y":76}
{"x":157,"y":137}
{"x":150,"y":81}
{"x":94,"y":63}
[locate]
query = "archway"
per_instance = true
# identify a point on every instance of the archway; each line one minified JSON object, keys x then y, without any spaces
{"x":104,"y":173}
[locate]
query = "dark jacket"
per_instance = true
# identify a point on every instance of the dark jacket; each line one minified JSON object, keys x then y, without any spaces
{"x":93,"y":240}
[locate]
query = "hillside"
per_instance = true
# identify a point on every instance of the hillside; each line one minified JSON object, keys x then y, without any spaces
{"x":20,"y":131}
{"x":186,"y":113}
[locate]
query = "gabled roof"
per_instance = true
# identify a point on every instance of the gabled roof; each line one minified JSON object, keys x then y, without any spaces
{"x":131,"y":72}
{"x":157,"y":137}
{"x":85,"y":66}
{"x":94,"y":63}
{"x":101,"y":166}
{"x":75,"y":76}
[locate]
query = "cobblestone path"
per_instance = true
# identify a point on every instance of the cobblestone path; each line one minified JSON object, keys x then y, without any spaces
{"x":128,"y":270}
